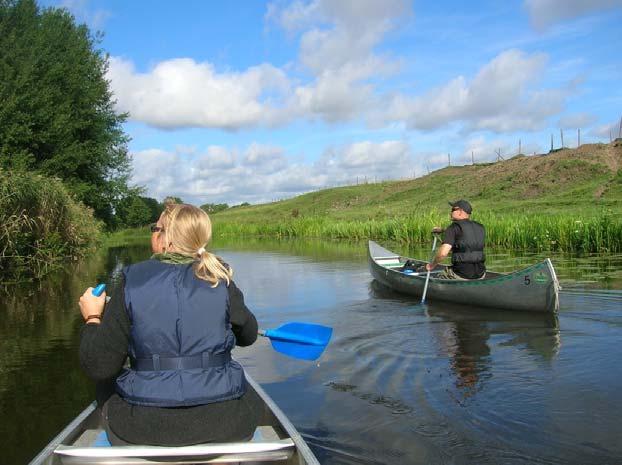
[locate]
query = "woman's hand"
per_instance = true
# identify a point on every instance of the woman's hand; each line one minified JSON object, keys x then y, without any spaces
{"x":91,"y":306}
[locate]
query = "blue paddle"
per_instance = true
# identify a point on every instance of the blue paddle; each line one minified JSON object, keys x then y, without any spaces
{"x":306,"y":341}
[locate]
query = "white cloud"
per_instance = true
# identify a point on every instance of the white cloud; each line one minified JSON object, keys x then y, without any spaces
{"x":218,"y":158}
{"x":264,"y":173}
{"x":337,"y":47}
{"x":337,"y":50}
{"x":183,"y":93}
{"x":606,"y":131}
{"x":340,"y":67}
{"x":577,"y":120}
{"x":544,"y":13}
{"x":499,"y":98}
{"x":82,"y":11}
{"x":265,"y":158}
{"x":334,"y":96}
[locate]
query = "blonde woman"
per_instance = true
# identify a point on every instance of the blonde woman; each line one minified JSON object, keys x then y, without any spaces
{"x":177,"y":316}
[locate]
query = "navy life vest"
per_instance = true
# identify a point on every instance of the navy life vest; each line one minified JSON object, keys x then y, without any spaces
{"x":180,"y":339}
{"x":469,"y":244}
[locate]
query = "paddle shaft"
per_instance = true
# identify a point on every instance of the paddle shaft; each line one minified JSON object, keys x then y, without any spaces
{"x":427,"y":278}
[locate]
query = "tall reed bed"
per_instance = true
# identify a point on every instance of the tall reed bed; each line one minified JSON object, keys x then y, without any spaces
{"x":40,"y":224}
{"x":561,"y":232}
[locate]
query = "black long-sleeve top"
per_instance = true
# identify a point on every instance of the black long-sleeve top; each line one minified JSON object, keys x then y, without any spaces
{"x":103,"y":352}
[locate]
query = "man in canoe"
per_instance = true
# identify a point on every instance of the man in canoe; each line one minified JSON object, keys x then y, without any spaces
{"x":465,"y":240}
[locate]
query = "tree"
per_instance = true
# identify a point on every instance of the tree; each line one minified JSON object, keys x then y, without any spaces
{"x":155,"y":208}
{"x":135,"y":211}
{"x":56,"y":108}
{"x":214,"y":207}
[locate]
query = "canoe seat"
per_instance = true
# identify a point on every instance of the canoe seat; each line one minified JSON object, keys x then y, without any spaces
{"x":93,"y":447}
{"x":262,"y":433}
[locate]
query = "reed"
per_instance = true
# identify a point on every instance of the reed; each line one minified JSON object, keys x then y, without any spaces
{"x":524,"y":231}
{"x":40,"y":225}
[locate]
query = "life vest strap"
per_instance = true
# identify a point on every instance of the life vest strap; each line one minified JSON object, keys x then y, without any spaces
{"x":157,"y":363}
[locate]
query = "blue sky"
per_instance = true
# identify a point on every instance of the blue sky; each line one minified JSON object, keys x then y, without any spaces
{"x":255,"y":101}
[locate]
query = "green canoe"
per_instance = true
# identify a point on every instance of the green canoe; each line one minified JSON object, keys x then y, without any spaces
{"x":534,"y":288}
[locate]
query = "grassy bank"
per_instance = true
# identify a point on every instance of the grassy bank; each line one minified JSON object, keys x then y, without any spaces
{"x":561,"y":232}
{"x":40,"y":225}
{"x":568,"y":200}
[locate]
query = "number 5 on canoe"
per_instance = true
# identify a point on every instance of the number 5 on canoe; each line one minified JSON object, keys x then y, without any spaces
{"x":305,"y":341}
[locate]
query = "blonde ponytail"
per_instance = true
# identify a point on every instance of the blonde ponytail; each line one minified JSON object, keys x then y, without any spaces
{"x":211,"y":268}
{"x":189,"y":229}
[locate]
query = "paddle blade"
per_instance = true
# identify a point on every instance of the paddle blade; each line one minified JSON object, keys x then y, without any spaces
{"x":300,"y":340}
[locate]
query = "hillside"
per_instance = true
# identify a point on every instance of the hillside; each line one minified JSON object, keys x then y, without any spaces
{"x":582,"y":182}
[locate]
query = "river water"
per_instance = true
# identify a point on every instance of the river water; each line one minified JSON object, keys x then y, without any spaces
{"x":400,"y":383}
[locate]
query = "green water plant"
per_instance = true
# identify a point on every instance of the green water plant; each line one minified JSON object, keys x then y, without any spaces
{"x":41,"y":225}
{"x":524,"y":231}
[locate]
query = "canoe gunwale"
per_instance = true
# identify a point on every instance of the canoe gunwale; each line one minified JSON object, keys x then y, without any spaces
{"x":288,"y":445}
{"x":72,"y":429}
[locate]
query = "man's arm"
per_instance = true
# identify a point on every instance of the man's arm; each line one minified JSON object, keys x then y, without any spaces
{"x":449,"y":237}
{"x":442,"y":253}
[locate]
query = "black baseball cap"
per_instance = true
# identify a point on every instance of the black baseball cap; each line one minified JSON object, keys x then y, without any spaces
{"x":463,"y":205}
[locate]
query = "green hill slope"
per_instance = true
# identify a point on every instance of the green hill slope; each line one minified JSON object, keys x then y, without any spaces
{"x":573,"y":180}
{"x":534,"y":193}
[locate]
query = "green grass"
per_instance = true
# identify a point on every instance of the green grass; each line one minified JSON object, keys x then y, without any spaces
{"x":123,"y":237}
{"x":563,"y":201}
{"x":517,"y":231}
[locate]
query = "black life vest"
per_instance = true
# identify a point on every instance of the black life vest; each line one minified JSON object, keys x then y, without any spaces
{"x":469,"y":243}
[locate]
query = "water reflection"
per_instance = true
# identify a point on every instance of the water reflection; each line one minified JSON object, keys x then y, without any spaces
{"x":464,"y":332}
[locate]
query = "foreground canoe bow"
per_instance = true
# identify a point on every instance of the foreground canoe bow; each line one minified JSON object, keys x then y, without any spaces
{"x":534,"y":288}
{"x":277,"y":440}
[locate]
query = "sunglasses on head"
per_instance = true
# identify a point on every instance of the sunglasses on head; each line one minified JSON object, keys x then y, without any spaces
{"x":453,"y":209}
{"x":155,"y":228}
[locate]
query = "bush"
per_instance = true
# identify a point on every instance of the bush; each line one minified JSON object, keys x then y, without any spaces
{"x":41,"y":224}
